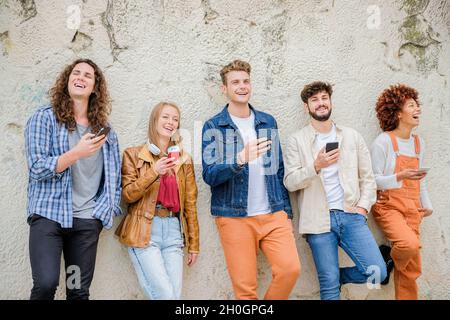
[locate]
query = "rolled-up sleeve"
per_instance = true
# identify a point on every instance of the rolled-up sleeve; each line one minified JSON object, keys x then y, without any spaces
{"x":38,"y":144}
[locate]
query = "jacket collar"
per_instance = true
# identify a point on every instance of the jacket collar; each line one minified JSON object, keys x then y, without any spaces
{"x":145,"y":155}
{"x":225,"y":119}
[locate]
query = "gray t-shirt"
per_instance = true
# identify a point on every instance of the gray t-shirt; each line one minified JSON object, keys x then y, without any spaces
{"x":86,"y":177}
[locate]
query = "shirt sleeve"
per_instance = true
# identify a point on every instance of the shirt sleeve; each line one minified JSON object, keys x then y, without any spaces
{"x":216,"y":170}
{"x":379,"y":155}
{"x":38,"y":145}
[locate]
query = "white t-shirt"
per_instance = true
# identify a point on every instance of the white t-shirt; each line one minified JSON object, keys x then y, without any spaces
{"x":257,"y":200}
{"x":383,"y":163}
{"x":332,"y":183}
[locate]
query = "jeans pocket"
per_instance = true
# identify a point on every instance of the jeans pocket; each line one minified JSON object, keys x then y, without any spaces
{"x":33,"y":218}
{"x":138,"y":251}
{"x":365,"y":217}
{"x":357,"y":215}
{"x":175,"y":229}
{"x":100,"y":225}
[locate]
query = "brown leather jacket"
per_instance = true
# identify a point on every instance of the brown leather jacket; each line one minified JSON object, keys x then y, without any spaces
{"x":140,"y":186}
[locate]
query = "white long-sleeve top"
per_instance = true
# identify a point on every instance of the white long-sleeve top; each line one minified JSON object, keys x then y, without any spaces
{"x":383,"y":163}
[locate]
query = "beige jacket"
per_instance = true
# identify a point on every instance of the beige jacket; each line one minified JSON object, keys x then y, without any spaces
{"x":355,"y":173}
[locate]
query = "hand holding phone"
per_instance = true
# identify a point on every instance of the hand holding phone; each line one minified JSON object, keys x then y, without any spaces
{"x":253,"y":149}
{"x":324,"y":159}
{"x":104,"y":130}
{"x":411,"y":174}
{"x":88,"y":145}
{"x":330,"y":146}
{"x":163,"y":165}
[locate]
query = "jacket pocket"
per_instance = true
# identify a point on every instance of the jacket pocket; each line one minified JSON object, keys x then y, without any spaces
{"x":135,"y":229}
{"x":148,"y":215}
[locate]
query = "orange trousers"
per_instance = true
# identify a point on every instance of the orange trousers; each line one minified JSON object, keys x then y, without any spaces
{"x":241,"y":238}
{"x":396,"y":212}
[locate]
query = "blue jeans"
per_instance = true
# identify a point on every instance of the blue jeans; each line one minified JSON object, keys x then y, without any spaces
{"x":159,"y":266}
{"x":351,"y":233}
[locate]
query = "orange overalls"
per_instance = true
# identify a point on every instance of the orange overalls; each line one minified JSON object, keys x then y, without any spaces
{"x":396,"y":212}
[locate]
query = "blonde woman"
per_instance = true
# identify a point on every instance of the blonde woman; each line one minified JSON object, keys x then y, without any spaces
{"x":161,"y":193}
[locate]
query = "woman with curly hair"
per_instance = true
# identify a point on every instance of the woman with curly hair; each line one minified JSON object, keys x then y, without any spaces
{"x":402,"y":199}
{"x":74,"y":180}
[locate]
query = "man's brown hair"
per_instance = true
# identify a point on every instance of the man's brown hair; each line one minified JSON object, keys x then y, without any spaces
{"x":315,"y":87}
{"x":99,"y":102}
{"x":236,"y":65}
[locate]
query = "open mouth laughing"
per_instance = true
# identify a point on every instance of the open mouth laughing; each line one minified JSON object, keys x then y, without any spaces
{"x":79,"y":85}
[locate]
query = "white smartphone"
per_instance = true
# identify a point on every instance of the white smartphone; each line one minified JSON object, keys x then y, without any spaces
{"x":424,"y":169}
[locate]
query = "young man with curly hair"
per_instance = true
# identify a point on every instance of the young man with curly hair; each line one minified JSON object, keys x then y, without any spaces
{"x":402,"y":200}
{"x":243,"y":164}
{"x":74,"y":180}
{"x":335,"y":189}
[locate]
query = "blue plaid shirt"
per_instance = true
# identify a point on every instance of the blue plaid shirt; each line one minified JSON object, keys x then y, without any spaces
{"x":50,"y":193}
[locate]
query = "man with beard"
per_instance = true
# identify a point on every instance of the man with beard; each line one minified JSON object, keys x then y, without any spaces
{"x":336,"y":190}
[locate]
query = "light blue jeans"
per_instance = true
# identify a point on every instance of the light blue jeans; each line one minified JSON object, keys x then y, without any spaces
{"x":351,"y":233}
{"x":159,"y":266}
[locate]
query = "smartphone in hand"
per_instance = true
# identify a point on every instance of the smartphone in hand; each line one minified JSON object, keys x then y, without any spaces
{"x":104,"y":130}
{"x":330,"y":146}
{"x":269,"y":145}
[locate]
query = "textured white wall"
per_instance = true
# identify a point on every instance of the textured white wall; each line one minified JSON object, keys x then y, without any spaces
{"x":155,"y":50}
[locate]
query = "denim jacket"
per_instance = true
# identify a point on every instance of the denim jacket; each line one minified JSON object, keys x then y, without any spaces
{"x":221,"y":142}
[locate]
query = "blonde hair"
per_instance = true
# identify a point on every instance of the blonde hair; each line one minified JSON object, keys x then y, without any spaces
{"x":236,"y":65}
{"x":153,"y":120}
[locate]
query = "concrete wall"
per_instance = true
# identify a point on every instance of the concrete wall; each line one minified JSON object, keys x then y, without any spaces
{"x":155,"y":50}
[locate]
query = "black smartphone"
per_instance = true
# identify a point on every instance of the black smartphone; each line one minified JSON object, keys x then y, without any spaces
{"x":330,"y":146}
{"x":104,"y":130}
